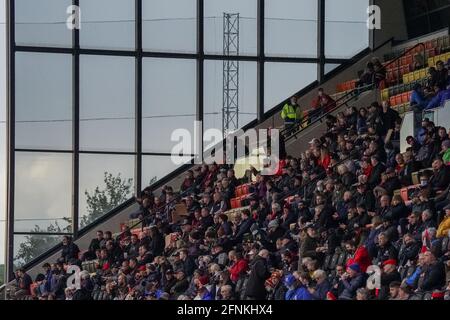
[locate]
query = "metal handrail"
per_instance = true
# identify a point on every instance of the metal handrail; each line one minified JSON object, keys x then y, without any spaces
{"x":349,"y":96}
{"x":288,"y":133}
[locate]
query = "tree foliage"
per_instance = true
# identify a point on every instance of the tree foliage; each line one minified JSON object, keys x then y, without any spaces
{"x":101,"y":200}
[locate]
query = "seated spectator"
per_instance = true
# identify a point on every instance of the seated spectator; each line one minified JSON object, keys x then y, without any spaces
{"x":444,"y":226}
{"x":440,"y":178}
{"x":352,"y":280}
{"x":389,"y":275}
{"x":442,"y":75}
{"x":433,"y":276}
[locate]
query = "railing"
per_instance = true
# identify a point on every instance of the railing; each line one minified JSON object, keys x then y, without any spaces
{"x":405,"y":52}
{"x":185,"y":167}
{"x":290,"y":132}
{"x":319,"y":114}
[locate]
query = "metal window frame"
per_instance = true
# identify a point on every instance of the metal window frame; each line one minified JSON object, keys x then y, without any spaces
{"x":139,"y":54}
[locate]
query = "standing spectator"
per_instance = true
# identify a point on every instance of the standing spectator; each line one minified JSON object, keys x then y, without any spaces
{"x":258,"y":275}
{"x":96,"y":244}
{"x":69,"y":251}
{"x":290,"y":113}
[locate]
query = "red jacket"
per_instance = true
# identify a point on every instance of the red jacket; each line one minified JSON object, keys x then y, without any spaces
{"x":237,"y":268}
{"x":361,"y":257}
{"x":368,"y":171}
{"x":325,"y":163}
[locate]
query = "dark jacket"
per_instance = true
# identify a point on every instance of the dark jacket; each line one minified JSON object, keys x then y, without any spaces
{"x":387,"y":252}
{"x":258,"y":275}
{"x":440,"y":179}
{"x":386,"y":279}
{"x":405,"y":175}
{"x":308,"y":247}
{"x":189,"y":266}
{"x":244,"y":228}
{"x":433,"y":277}
{"x":351,"y":285}
{"x":375,"y":176}
{"x":408,"y":252}
{"x":322,"y":290}
{"x":70,"y":251}
{"x":157,"y":244}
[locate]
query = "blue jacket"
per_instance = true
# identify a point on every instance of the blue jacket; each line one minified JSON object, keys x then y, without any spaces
{"x":417,"y":98}
{"x":438,"y":99}
{"x":445,"y":96}
{"x":207,"y":296}
{"x":290,"y":294}
{"x":412,"y":279}
{"x":351,"y":285}
{"x":303,"y":294}
{"x":421,"y":135}
{"x":322,"y":290}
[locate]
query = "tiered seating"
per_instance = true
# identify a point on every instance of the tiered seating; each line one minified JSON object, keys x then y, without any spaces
{"x":444,"y":57}
{"x":400,"y":102}
{"x":400,"y":80}
{"x":415,"y":76}
{"x":242,"y":193}
{"x":432,"y":47}
{"x":346,"y":86}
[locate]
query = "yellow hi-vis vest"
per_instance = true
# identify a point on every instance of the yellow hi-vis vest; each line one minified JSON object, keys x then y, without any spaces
{"x":289,"y":113}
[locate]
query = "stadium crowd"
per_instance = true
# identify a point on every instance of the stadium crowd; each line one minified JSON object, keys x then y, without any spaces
{"x":328,"y":225}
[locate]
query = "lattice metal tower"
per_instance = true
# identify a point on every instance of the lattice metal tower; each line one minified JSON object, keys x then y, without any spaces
{"x":230,"y":107}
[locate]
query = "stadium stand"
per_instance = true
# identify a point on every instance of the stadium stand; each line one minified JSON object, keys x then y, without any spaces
{"x":313,"y":231}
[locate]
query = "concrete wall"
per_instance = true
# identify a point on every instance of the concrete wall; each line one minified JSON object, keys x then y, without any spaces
{"x":393,"y":22}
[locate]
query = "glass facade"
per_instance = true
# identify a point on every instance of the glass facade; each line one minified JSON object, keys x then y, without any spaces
{"x":95,"y":107}
{"x":425,"y":16}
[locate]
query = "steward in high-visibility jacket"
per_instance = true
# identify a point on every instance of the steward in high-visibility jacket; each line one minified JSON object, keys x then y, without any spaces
{"x":290,"y":113}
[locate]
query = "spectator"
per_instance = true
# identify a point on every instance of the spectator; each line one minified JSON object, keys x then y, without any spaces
{"x":322,"y":287}
{"x":433,"y":277}
{"x":69,"y":251}
{"x":258,"y":275}
{"x":290,"y":113}
{"x":352,"y":280}
{"x":444,"y":226}
{"x":388,"y":276}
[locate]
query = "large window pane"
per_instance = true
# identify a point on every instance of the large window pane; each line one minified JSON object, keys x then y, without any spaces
{"x":43,"y":23}
{"x":106,"y":181}
{"x":214,"y":25}
{"x":107,"y":24}
{"x":43,"y":192}
{"x":107,"y":103}
{"x":43,"y":101}
{"x":330,"y":67}
{"x":214,"y":97}
{"x":284,"y":79}
{"x":29,"y":247}
{"x":169,"y":101}
{"x":156,"y":167}
{"x":170,"y":25}
{"x":291,"y":28}
{"x":346,"y":31}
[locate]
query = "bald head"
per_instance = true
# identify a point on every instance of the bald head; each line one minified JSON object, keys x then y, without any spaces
{"x":264,"y":253}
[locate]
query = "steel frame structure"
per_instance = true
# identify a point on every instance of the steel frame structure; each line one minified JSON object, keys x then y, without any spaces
{"x":139,"y":53}
{"x":230,"y":104}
